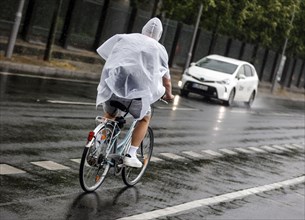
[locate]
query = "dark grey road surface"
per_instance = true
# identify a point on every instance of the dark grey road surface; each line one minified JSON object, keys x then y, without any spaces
{"x":202,"y":150}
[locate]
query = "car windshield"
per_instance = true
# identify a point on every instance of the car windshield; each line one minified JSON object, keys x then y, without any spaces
{"x":217,"y":65}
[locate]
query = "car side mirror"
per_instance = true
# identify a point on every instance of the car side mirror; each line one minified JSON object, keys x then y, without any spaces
{"x":193,"y":64}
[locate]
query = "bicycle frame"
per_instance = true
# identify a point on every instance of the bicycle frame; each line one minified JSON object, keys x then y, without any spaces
{"x":123,"y":147}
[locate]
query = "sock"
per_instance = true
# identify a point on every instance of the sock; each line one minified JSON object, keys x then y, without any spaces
{"x":133,"y":151}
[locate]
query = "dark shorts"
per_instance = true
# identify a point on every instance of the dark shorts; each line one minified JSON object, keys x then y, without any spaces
{"x":134,"y":109}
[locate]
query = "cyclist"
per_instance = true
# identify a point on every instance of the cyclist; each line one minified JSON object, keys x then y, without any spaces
{"x":135,"y":73}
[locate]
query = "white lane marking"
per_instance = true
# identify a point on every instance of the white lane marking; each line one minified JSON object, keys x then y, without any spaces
{"x":155,"y":159}
{"x":227,"y":151}
{"x":7,"y":169}
{"x":290,"y":146}
{"x":176,"y":108}
{"x":240,"y":111}
{"x":242,"y":150}
{"x":270,"y":149}
{"x":172,"y":156}
{"x":79,"y":161}
{"x":212,"y":153}
{"x":48,"y":77}
{"x":280,"y":148}
{"x":298,"y":146}
{"x":280,"y":114}
{"x":257,"y":150}
{"x":261,"y":113}
{"x":76,"y":160}
{"x":193,"y":154}
{"x":70,"y":103}
{"x":214,"y":200}
{"x":50,"y":165}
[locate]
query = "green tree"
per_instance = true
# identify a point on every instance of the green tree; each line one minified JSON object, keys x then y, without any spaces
{"x":297,"y":34}
{"x":260,"y":22}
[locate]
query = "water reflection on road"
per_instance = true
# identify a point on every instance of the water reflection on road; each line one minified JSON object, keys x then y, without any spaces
{"x":56,"y":131}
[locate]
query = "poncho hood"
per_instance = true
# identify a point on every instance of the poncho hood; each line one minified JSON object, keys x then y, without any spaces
{"x":153,"y":28}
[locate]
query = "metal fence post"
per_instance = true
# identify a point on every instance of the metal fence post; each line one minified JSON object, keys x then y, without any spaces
{"x":174,"y":45}
{"x":51,"y":38}
{"x":66,"y":31}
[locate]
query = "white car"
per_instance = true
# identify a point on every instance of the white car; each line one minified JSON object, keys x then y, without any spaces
{"x":221,"y":78}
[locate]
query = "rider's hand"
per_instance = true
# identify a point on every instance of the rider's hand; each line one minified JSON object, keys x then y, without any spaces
{"x":168,"y":97}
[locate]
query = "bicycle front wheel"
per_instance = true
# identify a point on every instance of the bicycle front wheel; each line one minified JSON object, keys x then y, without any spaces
{"x":132,"y":175}
{"x":94,"y":165}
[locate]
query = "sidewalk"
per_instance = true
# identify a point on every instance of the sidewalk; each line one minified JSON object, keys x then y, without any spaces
{"x":87,"y":65}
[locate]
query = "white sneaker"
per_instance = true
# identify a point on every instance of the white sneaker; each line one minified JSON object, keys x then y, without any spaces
{"x":132,"y":161}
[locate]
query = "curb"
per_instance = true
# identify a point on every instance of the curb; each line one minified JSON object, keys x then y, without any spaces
{"x":49,"y":71}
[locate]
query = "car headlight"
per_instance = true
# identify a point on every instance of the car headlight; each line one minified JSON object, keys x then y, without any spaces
{"x":224,"y":82}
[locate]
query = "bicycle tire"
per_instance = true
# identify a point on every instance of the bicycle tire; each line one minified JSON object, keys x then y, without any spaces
{"x":131,"y":175}
{"x":94,"y":167}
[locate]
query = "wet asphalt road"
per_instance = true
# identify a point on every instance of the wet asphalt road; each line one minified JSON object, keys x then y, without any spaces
{"x":48,"y":120}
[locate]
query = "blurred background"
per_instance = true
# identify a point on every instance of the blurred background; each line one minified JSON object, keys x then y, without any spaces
{"x":262,"y":32}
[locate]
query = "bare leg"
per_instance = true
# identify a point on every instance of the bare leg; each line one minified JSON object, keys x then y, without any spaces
{"x":140,"y":131}
{"x":109,"y":116}
{"x":137,"y":137}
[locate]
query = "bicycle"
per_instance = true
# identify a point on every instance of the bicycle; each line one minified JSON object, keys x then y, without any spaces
{"x":103,"y":152}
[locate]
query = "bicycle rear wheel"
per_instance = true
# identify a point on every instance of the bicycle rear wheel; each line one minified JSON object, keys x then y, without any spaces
{"x":132,"y":175}
{"x":94,"y":165}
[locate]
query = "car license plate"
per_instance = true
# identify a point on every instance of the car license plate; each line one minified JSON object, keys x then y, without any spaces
{"x":199,"y":86}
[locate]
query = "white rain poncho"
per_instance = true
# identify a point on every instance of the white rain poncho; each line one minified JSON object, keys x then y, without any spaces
{"x":135,"y":65}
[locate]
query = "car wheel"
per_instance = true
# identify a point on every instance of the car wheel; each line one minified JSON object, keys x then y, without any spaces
{"x":231,"y":98}
{"x":251,"y":99}
{"x":184,"y":92}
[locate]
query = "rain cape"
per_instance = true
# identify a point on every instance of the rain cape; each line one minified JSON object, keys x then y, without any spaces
{"x":135,"y":65}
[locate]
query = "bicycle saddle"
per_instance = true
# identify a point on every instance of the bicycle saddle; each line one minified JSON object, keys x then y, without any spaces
{"x":118,"y":105}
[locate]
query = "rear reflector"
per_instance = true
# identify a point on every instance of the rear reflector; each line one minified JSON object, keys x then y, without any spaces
{"x":90,"y":135}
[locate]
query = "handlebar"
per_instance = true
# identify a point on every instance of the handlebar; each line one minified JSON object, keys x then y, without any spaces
{"x":163,"y":100}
